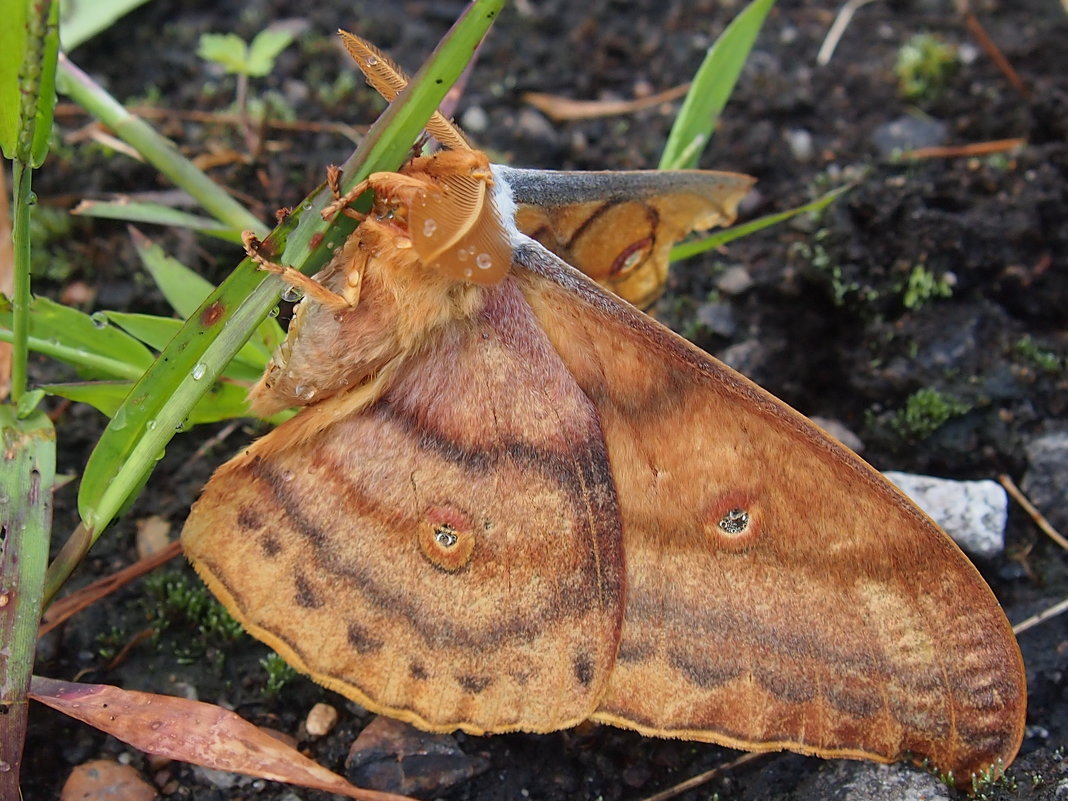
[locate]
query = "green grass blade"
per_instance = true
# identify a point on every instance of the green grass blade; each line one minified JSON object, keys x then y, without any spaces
{"x":82,"y":21}
{"x":223,"y":401}
{"x":157,"y":332}
{"x":712,"y":87}
{"x":157,"y":150}
{"x":155,"y":214}
{"x":183,"y":288}
{"x":130,"y":446}
{"x":27,"y":473}
{"x":186,"y":291}
{"x":688,"y":249}
{"x":12,"y":53}
{"x":79,"y":339}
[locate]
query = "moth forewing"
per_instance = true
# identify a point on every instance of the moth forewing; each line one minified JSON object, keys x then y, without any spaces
{"x":619,"y":227}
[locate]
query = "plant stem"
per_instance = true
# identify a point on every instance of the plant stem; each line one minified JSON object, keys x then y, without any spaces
{"x":22,"y":200}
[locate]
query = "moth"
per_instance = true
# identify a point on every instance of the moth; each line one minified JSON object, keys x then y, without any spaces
{"x":512,"y":501}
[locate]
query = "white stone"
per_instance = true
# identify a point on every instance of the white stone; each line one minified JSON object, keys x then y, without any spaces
{"x":973,"y":513}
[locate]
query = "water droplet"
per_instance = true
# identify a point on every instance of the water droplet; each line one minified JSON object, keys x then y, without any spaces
{"x":307,"y":206}
{"x":273,"y":312}
{"x":305,"y":393}
{"x":429,"y":227}
{"x":372,"y":60}
{"x":99,"y":319}
{"x":462,"y":254}
{"x":468,"y":272}
{"x":180,"y":425}
{"x":151,"y":425}
{"x":118,"y":422}
{"x":4,"y":767}
{"x":484,"y":261}
{"x":199,"y":369}
{"x":287,"y":475}
{"x":292,"y":294}
{"x":33,"y":199}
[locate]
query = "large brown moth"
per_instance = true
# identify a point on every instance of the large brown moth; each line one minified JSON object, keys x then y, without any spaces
{"x":512,"y":501}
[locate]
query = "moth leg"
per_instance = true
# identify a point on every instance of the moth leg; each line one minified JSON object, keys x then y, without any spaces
{"x":343,"y":200}
{"x":295,"y":278}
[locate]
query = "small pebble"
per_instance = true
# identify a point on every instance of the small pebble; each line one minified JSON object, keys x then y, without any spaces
{"x":394,"y":757}
{"x":735,"y":280}
{"x":474,"y":120}
{"x":718,"y":318}
{"x":800,"y":142}
{"x":973,"y":513}
{"x":840,"y":433}
{"x":105,"y":780}
{"x":153,"y":535}
{"x":907,"y":133}
{"x":1046,"y":479}
{"x":321,"y":720}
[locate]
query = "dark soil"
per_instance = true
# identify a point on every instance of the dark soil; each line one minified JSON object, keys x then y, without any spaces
{"x":823,"y":325}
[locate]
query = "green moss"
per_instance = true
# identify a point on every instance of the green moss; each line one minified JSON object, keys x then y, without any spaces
{"x":925,"y":64}
{"x":922,"y":286}
{"x":1045,"y":360}
{"x":279,"y":673}
{"x":187,"y":616}
{"x":925,"y":411}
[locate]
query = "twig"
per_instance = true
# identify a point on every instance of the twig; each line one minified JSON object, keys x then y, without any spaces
{"x":1045,"y":614}
{"x":973,"y":149}
{"x":701,"y":778}
{"x":991,"y":49}
{"x":834,"y":33}
{"x":562,"y":109}
{"x":1037,"y":516}
{"x":70,"y":605}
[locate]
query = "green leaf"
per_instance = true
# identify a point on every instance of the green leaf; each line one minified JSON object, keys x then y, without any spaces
{"x":222,"y":400}
{"x":183,"y":288}
{"x":264,"y":50}
{"x":688,"y":249}
{"x":140,"y":212}
{"x":12,"y":53}
{"x":29,"y":45}
{"x":89,"y":343}
{"x":127,"y":452}
{"x":712,"y":87}
{"x":46,"y":91}
{"x":227,"y":49}
{"x":157,"y":332}
{"x":82,"y":21}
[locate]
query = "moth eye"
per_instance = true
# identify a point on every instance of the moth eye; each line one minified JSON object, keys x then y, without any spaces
{"x":630,"y":257}
{"x":735,"y":521}
{"x":446,"y":542}
{"x":445,"y":535}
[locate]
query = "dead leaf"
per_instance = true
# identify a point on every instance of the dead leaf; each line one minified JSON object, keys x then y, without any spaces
{"x":192,"y":731}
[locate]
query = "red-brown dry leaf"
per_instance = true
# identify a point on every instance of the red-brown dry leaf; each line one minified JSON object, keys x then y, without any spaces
{"x":192,"y":731}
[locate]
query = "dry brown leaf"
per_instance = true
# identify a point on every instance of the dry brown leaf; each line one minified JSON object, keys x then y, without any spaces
{"x":192,"y":731}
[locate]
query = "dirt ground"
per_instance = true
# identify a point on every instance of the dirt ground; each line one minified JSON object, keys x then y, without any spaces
{"x":947,"y":272}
